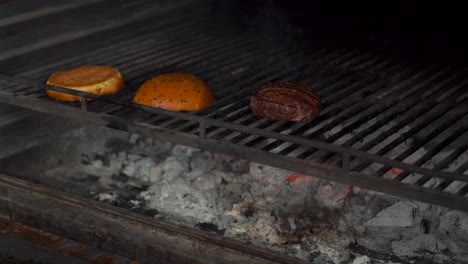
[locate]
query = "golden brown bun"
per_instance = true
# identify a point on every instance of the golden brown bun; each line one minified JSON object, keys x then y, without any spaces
{"x":99,"y":80}
{"x":176,"y":92}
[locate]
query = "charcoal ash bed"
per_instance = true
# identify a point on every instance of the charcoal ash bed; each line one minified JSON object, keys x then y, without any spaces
{"x":290,"y":213}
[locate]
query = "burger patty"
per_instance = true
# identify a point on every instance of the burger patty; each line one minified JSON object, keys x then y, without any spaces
{"x":286,"y":101}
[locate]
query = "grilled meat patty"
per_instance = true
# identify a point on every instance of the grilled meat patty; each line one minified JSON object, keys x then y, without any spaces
{"x":287,"y":101}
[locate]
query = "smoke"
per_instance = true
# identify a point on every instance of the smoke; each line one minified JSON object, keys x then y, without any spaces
{"x":271,"y":28}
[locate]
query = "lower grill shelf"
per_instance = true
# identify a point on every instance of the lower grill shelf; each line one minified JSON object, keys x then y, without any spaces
{"x":391,"y":122}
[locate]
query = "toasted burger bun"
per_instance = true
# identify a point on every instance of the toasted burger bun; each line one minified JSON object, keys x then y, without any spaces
{"x":176,"y":92}
{"x":99,"y":80}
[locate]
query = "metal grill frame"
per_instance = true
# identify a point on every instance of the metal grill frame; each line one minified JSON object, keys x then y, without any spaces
{"x":201,"y":141}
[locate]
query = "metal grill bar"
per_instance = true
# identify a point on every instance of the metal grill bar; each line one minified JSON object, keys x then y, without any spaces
{"x":9,"y":18}
{"x":168,"y":58}
{"x":445,"y":163}
{"x":36,"y":43}
{"x":399,"y":138}
{"x":242,"y":93}
{"x":329,"y":95}
{"x":124,"y":66}
{"x":220,"y":60}
{"x":433,"y":134}
{"x":335,"y":116}
{"x":110,"y":54}
{"x":431,"y":153}
{"x":408,"y":109}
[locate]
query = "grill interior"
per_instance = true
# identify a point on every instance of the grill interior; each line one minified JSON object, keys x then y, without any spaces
{"x":382,"y":109}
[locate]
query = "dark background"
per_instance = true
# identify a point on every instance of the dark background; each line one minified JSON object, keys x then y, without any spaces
{"x":439,"y":28}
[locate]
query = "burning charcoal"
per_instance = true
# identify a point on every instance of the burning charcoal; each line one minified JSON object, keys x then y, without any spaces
{"x":223,"y":158}
{"x":122,"y":157}
{"x":399,"y":221}
{"x":289,"y":239}
{"x":298,"y":215}
{"x":161,"y":148}
{"x":115,"y":144}
{"x":313,"y":256}
{"x":134,"y":203}
{"x":202,"y":160}
{"x":148,"y":212}
{"x":121,"y":177}
{"x":155,"y":174}
{"x":217,"y":178}
{"x":206,"y":182}
{"x":165,"y":192}
{"x":180,"y":188}
{"x":224,"y":203}
{"x":134,"y":187}
{"x":238,"y":165}
{"x":266,"y":174}
{"x":90,"y":178}
{"x":247,"y":211}
{"x":362,"y":260}
{"x":195,"y":173}
{"x":114,"y":164}
{"x":226,"y":220}
{"x":401,"y":214}
{"x":129,"y":170}
{"x":85,"y":159}
{"x":143,"y":166}
{"x":426,"y":243}
{"x":209,"y":227}
{"x":173,"y":168}
{"x":102,"y":157}
{"x":282,"y":225}
{"x":227,"y":177}
{"x":455,"y":224}
{"x":151,"y":212}
{"x":182,"y":151}
{"x":234,"y":189}
{"x":149,"y":141}
{"x":106,"y":197}
{"x":134,"y":157}
{"x":97,"y":164}
{"x":133,"y":138}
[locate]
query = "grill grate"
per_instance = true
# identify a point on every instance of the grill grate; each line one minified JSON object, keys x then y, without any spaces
{"x":391,"y":122}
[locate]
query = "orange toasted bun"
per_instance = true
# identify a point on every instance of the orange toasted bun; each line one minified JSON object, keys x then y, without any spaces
{"x":99,"y":80}
{"x":176,"y":92}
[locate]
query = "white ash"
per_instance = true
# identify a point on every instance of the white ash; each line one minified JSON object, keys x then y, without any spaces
{"x":299,"y":215}
{"x":362,"y":260}
{"x":173,"y":167}
{"x":420,"y":243}
{"x":307,"y":218}
{"x":106,"y":197}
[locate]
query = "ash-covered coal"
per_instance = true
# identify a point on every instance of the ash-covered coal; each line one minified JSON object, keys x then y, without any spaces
{"x":296,"y":214}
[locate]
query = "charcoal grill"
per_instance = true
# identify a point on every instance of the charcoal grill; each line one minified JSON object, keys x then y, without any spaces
{"x":382,"y":108}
